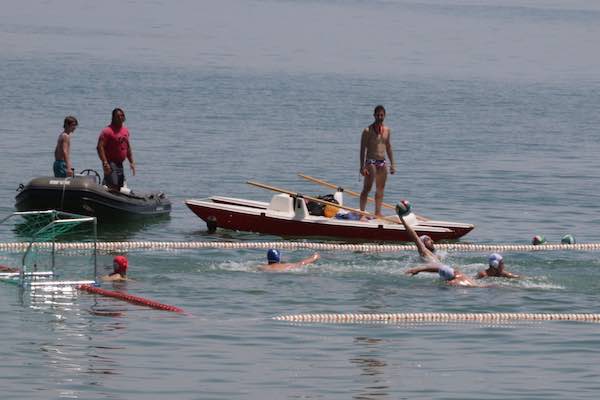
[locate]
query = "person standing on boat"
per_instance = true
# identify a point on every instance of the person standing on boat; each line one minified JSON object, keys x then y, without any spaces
{"x":374,"y":144}
{"x":113,"y":148}
{"x":275,"y":264}
{"x":62,"y":153}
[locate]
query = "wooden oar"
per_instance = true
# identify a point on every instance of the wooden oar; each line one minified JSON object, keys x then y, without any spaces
{"x":351,"y":193}
{"x":357,"y":211}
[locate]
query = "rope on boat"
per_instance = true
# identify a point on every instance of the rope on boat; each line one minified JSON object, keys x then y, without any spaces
{"x":147,"y":245}
{"x":436,"y":317}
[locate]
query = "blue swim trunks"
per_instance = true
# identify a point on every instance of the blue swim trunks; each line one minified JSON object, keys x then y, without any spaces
{"x":60,"y":168}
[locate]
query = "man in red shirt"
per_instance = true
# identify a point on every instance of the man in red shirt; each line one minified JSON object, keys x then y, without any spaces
{"x":113,"y":148}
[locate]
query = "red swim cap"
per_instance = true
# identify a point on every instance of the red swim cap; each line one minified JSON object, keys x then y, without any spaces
{"x":121,"y":264}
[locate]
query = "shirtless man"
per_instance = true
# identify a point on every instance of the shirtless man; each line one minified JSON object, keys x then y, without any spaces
{"x":62,"y":153}
{"x":496,"y":268}
{"x":374,"y":144}
{"x":119,"y":273}
{"x":275,"y":264}
{"x":453,"y":276}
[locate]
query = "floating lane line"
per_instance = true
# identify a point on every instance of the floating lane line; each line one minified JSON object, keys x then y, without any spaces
{"x":436,"y":317}
{"x":147,"y":245}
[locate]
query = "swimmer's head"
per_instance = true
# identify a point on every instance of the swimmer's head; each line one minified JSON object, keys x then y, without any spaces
{"x":495,"y":261}
{"x":120,"y":265}
{"x":273,"y":256}
{"x":428,"y":242}
{"x":446,"y":272}
{"x":538,"y":239}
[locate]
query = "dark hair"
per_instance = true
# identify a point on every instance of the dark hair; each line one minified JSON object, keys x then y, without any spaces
{"x":379,"y":108}
{"x":70,"y":120}
{"x":114,"y":113}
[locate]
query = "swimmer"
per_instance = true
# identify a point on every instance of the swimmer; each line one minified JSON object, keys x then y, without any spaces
{"x":275,"y":264}
{"x":496,"y":268}
{"x":119,"y":273}
{"x":452,"y":276}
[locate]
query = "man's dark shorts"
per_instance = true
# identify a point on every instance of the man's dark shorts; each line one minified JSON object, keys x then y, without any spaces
{"x":60,"y":169}
{"x":116,"y":176}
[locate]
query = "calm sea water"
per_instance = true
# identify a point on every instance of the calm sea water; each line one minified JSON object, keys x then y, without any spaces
{"x":494,"y":110}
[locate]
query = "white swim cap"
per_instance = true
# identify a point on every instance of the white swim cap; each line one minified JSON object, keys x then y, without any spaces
{"x":446,"y":272}
{"x":494,"y":260}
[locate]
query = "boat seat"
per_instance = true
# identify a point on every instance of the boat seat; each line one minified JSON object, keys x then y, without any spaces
{"x":281,"y":203}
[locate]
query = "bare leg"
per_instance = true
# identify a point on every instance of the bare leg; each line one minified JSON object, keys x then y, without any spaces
{"x":368,"y":184}
{"x":380,"y":179}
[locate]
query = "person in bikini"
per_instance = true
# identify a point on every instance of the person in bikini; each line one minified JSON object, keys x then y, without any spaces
{"x":275,"y":264}
{"x":62,"y":153}
{"x":374,"y":144}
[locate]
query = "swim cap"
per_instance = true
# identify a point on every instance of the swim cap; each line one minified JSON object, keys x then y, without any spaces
{"x":446,"y":272}
{"x":538,"y":239}
{"x":403,"y":208}
{"x":424,"y":238}
{"x":494,"y":260}
{"x":121,"y":264}
{"x":273,"y":256}
{"x":567,"y":239}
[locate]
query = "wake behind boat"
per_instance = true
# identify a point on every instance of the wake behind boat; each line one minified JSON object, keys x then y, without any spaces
{"x":84,"y":194}
{"x":287,"y":215}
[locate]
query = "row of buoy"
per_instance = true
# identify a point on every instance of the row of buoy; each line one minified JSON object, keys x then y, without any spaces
{"x":147,"y":245}
{"x":437,"y":317}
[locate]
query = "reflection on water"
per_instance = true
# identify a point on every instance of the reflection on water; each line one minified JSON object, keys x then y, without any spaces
{"x":68,"y":344}
{"x":128,"y":229}
{"x":373,"y":369}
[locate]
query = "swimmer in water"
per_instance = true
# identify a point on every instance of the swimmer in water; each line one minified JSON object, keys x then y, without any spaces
{"x":496,"y":268}
{"x":452,"y":276}
{"x":275,"y":264}
{"x":119,"y":273}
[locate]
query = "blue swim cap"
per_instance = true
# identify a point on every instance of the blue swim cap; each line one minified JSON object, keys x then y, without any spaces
{"x":273,"y":256}
{"x":446,"y":272}
{"x":494,"y":260}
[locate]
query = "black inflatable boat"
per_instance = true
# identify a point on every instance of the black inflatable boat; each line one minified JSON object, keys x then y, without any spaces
{"x":85,"y":194}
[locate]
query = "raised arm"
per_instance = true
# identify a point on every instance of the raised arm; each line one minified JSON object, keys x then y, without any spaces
{"x":423,"y":251}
